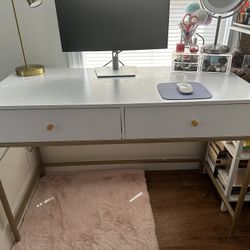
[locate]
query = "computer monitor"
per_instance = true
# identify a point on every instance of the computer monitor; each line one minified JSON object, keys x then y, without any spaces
{"x":101,"y":25}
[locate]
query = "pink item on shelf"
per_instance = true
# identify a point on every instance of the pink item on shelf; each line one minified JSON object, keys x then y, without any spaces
{"x":194,"y":49}
{"x":180,"y":47}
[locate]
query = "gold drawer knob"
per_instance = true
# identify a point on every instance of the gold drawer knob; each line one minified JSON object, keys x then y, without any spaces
{"x":195,"y":123}
{"x":50,"y":127}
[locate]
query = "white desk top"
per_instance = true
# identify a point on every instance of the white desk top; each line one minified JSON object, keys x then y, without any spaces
{"x":76,"y":88}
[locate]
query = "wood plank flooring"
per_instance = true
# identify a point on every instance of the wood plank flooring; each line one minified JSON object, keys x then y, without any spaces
{"x":187,"y":213}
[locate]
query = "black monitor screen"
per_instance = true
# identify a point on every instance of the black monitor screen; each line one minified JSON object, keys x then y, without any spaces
{"x":95,"y":25}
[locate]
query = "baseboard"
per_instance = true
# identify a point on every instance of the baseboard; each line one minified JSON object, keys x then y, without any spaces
{"x":151,"y":167}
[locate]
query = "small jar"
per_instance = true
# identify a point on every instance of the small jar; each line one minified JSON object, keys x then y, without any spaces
{"x":194,"y":48}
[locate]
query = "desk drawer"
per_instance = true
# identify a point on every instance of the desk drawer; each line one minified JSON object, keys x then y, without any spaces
{"x":59,"y":125}
{"x":176,"y":121}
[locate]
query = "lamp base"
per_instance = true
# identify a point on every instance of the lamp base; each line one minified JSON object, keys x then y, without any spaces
{"x":30,"y":70}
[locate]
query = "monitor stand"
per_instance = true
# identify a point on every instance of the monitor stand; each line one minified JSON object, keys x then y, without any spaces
{"x":115,"y":71}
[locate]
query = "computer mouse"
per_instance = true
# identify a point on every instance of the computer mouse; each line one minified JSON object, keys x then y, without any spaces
{"x":185,"y":87}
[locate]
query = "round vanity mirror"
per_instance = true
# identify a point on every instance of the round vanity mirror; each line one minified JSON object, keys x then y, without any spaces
{"x":222,"y":7}
{"x":220,"y":10}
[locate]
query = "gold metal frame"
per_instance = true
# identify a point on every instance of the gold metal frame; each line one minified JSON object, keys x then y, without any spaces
{"x":110,"y":162}
{"x":121,"y":141}
{"x":13,"y":221}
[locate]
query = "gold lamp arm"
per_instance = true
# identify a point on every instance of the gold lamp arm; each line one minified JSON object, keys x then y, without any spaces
{"x":19,"y":34}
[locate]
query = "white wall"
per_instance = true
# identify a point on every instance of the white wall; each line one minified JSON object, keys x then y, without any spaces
{"x":40,"y":36}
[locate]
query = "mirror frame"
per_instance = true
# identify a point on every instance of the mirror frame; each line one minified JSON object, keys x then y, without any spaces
{"x":213,"y":12}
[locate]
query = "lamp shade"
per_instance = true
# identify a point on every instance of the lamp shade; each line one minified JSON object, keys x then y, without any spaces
{"x":34,"y":3}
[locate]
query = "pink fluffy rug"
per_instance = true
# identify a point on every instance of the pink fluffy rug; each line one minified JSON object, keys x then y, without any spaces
{"x":90,"y":210}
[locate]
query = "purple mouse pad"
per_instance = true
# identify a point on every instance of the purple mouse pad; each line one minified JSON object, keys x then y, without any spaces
{"x":170,"y":91}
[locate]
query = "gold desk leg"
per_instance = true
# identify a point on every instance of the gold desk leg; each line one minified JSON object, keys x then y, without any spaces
{"x":40,"y":160}
{"x":8,"y":213}
{"x":241,"y":199}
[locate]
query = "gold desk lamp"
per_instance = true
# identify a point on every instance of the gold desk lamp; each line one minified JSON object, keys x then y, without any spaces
{"x":27,"y":69}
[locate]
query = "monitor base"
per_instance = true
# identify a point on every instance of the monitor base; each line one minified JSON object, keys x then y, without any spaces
{"x":124,"y":71}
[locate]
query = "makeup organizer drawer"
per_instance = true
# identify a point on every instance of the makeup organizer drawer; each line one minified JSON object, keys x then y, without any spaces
{"x":177,"y":122}
{"x":60,"y":125}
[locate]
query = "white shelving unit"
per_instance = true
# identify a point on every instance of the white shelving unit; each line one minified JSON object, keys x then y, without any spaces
{"x":232,"y":176}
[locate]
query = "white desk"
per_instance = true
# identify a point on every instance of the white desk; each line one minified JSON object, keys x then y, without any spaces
{"x":73,"y":106}
{"x":83,"y":108}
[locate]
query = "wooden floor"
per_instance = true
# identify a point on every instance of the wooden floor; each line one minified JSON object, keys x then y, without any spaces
{"x":187,"y":213}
